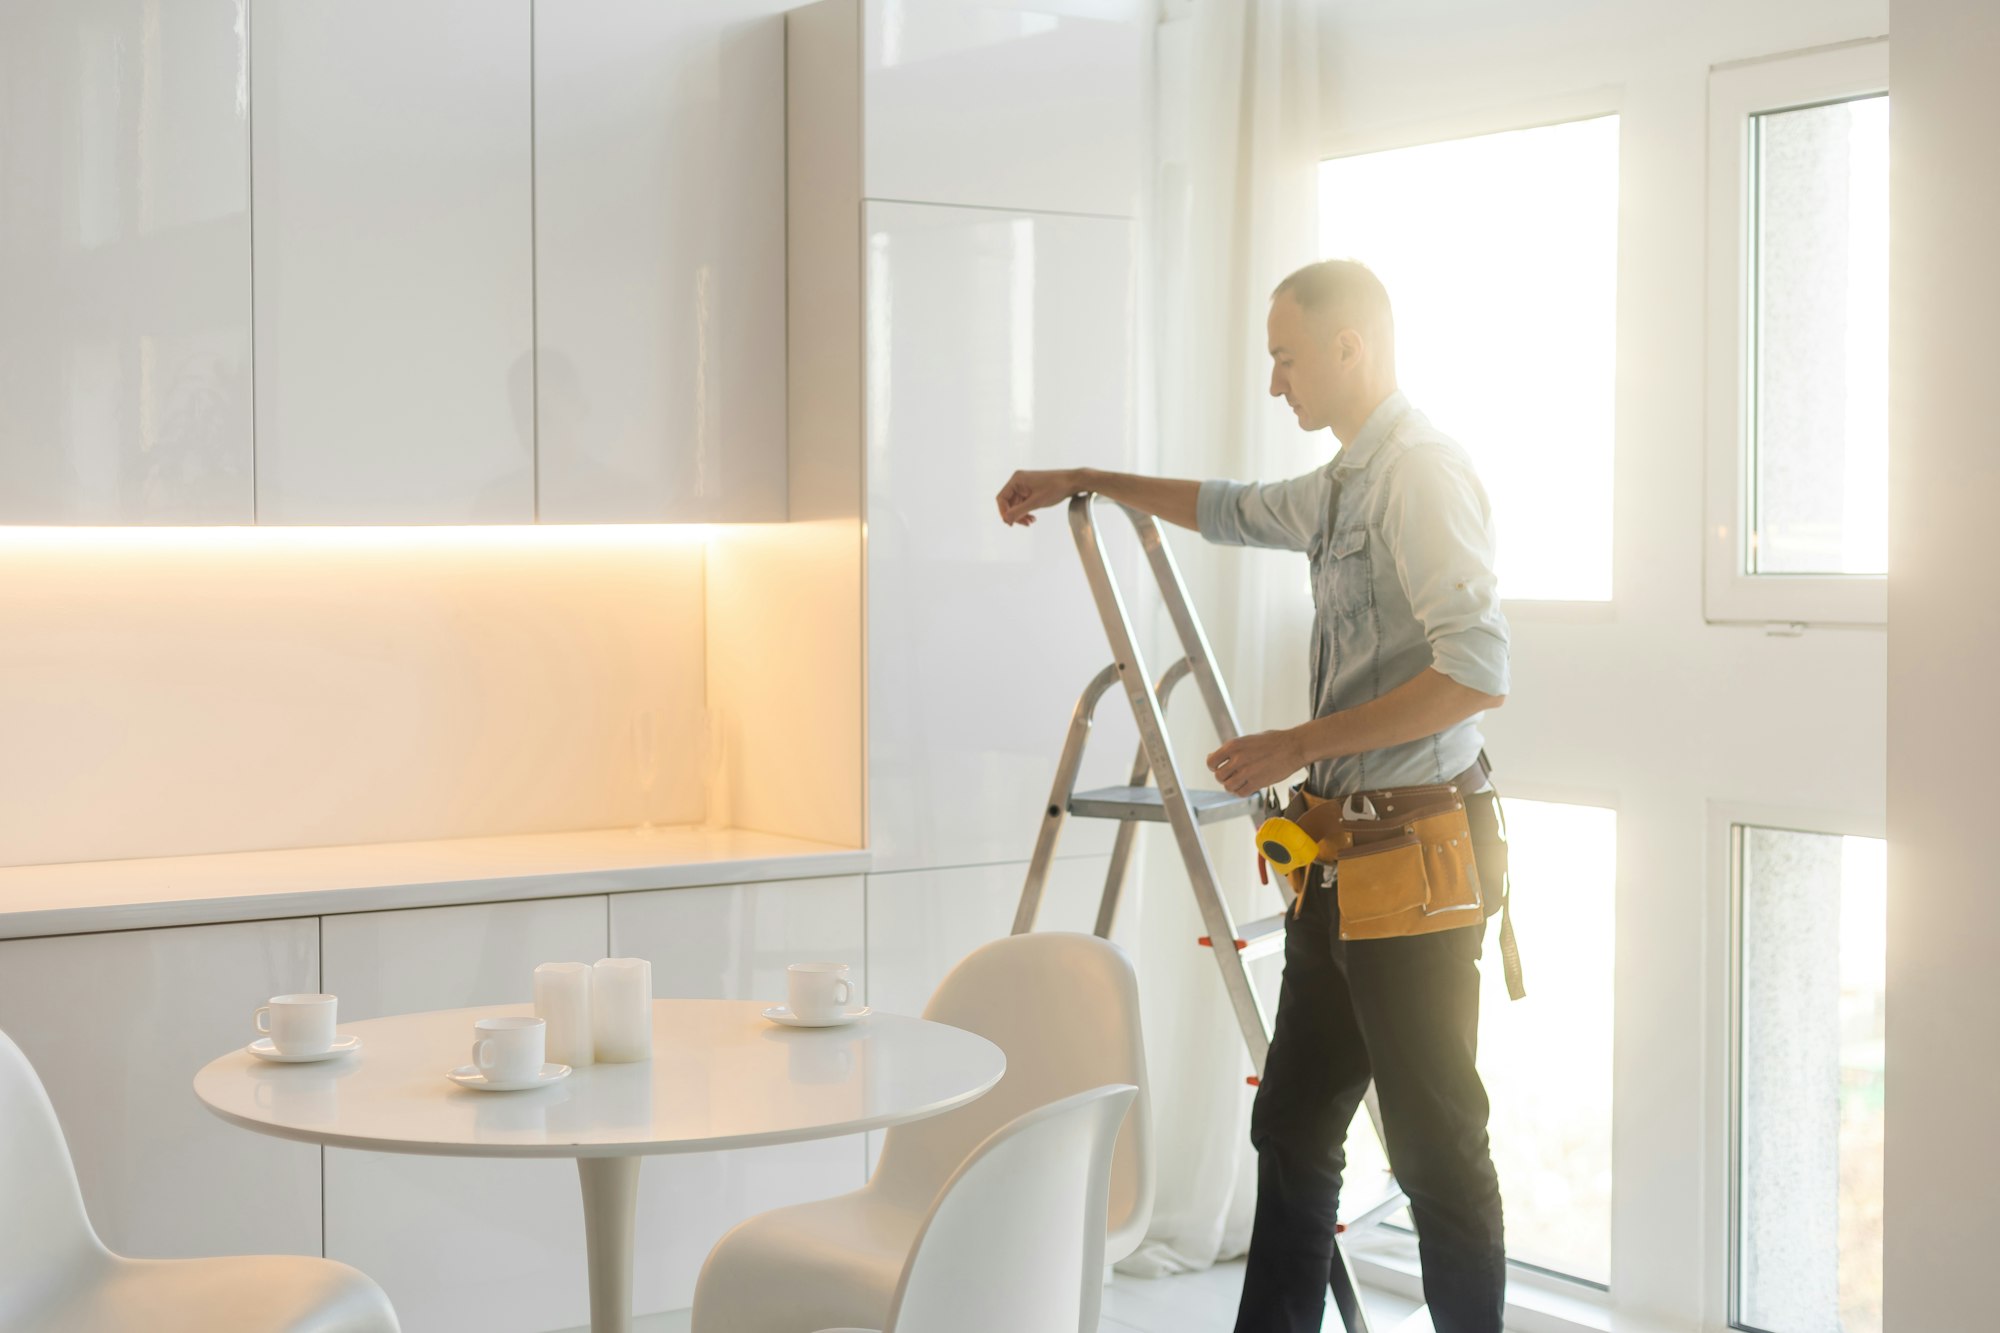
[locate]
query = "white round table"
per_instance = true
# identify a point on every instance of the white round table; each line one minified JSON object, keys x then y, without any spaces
{"x":721,"y":1076}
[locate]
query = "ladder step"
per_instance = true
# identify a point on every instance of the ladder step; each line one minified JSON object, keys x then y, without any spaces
{"x":1256,"y":939}
{"x":1262,"y":937}
{"x":1122,"y":803}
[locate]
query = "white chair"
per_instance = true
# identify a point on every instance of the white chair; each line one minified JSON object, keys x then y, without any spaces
{"x":56,"y":1276}
{"x":1065,"y":1009}
{"x":1015,"y":1241}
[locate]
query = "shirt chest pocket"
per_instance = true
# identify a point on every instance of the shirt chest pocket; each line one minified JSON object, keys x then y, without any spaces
{"x":1344,"y":575}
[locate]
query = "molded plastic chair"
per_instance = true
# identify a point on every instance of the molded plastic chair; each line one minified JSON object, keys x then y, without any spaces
{"x":1016,"y":1239}
{"x":56,"y":1276}
{"x":1065,"y":1009}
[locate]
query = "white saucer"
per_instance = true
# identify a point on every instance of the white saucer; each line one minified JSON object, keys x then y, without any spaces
{"x":264,"y":1050}
{"x":468,"y":1076}
{"x":779,"y":1013}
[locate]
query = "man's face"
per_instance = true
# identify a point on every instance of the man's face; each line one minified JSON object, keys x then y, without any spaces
{"x":1306,"y":367}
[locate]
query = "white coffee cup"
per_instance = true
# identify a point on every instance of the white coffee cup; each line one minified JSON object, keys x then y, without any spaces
{"x":297,"y":1024}
{"x":818,"y":992}
{"x":507,"y":1050}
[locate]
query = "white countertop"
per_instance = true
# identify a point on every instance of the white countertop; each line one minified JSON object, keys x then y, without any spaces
{"x":84,"y":896}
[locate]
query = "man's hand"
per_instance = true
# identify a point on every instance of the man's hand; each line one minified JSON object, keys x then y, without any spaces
{"x":1252,"y":763}
{"x":1025,"y":492}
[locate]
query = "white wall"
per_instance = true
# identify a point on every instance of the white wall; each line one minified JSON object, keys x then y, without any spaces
{"x":1943,"y":1166}
{"x":1640,"y":705}
{"x":226,"y":689}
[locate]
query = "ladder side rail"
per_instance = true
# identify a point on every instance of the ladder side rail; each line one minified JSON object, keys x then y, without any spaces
{"x":1200,"y":656}
{"x":1060,"y":791}
{"x":1249,"y":1006}
{"x":1128,"y":830}
{"x":1194,"y":640}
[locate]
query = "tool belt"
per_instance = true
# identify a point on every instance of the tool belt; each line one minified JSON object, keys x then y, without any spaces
{"x":1402,"y":862}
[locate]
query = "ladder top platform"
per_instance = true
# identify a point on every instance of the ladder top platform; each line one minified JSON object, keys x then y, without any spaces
{"x":1143,"y":803}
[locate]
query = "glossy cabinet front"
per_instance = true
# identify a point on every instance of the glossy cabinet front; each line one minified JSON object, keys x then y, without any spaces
{"x":459,"y":1243}
{"x":660,"y":260}
{"x":393,"y":261}
{"x":995,"y":341}
{"x":734,"y":943}
{"x":124,"y":263}
{"x":921,"y":923}
{"x":116,"y":1026}
{"x":1007,"y":103}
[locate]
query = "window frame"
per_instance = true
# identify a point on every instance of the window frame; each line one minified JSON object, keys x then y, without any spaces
{"x":1727,"y":822}
{"x":1736,"y":93}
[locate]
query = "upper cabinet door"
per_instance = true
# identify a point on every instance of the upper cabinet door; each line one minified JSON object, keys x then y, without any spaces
{"x":660,"y":260}
{"x":1027,"y":104}
{"x":124,"y":263}
{"x":393,"y":157}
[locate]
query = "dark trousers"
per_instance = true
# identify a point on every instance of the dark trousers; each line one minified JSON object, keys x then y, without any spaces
{"x":1405,"y":1013}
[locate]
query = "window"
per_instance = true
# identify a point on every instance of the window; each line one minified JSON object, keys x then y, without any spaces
{"x":1798,"y":455}
{"x":1547,"y":1060}
{"x":1488,"y":246}
{"x":1808,"y":1087}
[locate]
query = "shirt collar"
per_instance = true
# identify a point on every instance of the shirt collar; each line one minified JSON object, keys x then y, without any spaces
{"x":1384,"y":419}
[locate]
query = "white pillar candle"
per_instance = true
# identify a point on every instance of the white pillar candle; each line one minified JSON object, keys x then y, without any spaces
{"x":621,"y":1009}
{"x":562,"y":1000}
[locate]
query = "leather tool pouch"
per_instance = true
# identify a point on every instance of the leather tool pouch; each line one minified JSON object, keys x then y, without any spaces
{"x":1404,"y":860}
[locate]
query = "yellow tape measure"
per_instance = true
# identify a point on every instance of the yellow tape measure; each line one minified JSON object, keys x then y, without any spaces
{"x":1286,"y":845}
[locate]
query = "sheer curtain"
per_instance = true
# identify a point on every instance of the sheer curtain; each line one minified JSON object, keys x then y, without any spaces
{"x":1238,"y":136}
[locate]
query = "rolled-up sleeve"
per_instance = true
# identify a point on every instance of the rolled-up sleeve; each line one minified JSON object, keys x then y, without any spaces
{"x":1280,"y":515}
{"x":1439,"y":530}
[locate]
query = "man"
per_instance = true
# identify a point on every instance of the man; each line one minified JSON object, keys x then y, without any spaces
{"x":1409,"y":648}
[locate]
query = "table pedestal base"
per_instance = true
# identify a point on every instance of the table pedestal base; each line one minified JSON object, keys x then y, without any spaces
{"x":610,"y":1203}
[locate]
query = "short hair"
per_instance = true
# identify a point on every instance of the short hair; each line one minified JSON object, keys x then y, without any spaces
{"x":1348,"y":292}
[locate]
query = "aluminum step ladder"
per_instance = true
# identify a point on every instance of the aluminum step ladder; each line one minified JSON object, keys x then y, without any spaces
{"x":1155,"y":794}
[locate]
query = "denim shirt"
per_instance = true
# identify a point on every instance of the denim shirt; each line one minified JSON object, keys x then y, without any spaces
{"x":1402,"y":580}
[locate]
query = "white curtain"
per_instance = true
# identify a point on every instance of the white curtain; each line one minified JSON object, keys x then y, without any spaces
{"x":1234,"y":212}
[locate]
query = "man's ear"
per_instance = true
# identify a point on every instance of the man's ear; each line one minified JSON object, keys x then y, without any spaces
{"x":1348,"y":344}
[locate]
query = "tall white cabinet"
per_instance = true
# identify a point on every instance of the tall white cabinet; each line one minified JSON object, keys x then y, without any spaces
{"x":393,"y":260}
{"x":964,"y":180}
{"x":996,"y":339}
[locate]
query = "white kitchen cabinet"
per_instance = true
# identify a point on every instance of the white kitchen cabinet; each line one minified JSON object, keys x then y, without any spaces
{"x":1006,"y":103}
{"x":124,"y":263}
{"x":116,"y":1026}
{"x":995,"y":341}
{"x":393,"y":261}
{"x":660,"y":260}
{"x":459,"y":1243}
{"x":922,"y":922}
{"x":733,"y":943}
{"x":991,"y":339}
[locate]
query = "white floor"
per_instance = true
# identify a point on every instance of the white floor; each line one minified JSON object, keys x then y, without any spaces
{"x":1190,"y":1303}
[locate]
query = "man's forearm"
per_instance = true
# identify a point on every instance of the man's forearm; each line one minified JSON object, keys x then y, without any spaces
{"x":1424,"y":706}
{"x":1163,"y":497}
